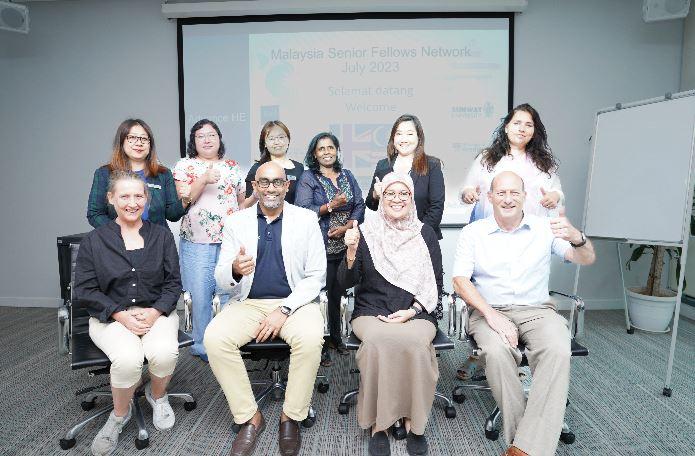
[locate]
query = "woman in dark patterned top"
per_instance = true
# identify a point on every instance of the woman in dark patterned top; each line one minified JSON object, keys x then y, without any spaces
{"x":134,"y":150}
{"x":394,"y":262}
{"x":332,"y":192}
{"x":127,"y":276}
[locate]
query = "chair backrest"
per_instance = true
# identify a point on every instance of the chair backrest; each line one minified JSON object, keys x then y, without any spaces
{"x":79,"y":317}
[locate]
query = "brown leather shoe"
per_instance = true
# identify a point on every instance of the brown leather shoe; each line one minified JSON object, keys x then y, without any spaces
{"x":289,"y":438}
{"x":245,"y":440}
{"x":514,"y":451}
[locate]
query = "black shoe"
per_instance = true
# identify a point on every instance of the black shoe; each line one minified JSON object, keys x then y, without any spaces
{"x":416,"y":444}
{"x":379,"y":444}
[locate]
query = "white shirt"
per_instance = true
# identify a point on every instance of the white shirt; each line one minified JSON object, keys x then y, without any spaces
{"x":508,"y":268}
{"x":524,"y":167}
{"x":303,"y":253}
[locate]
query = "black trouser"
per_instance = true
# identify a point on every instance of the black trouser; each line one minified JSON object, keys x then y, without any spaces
{"x":334,"y":294}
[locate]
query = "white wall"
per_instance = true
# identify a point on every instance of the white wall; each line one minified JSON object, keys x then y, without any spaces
{"x":85,"y":66}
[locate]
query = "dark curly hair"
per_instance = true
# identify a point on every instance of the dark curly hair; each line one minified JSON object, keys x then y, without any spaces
{"x":310,"y":159}
{"x":191,"y":150}
{"x":537,"y":148}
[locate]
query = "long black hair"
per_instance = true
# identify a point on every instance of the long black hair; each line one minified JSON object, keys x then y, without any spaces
{"x":537,"y":148}
{"x":310,"y":158}
{"x":191,"y":150}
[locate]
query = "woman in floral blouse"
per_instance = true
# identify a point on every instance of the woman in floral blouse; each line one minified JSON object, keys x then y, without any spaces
{"x":211,"y":188}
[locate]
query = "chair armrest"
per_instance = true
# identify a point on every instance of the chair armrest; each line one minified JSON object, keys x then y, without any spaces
{"x":323,"y":305}
{"x":576,"y":320}
{"x":458,"y":317}
{"x":64,"y":329}
{"x":345,"y":327}
{"x":187,"y":312}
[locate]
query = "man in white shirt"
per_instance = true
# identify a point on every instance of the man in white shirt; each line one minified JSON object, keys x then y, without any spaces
{"x":501,"y":270}
{"x":273,"y":263}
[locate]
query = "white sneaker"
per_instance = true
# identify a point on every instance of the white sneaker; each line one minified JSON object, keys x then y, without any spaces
{"x":106,"y":440}
{"x":162,"y":414}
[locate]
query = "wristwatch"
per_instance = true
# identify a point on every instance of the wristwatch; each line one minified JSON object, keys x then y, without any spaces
{"x":286,"y":310}
{"x":328,"y":207}
{"x":417,"y":310}
{"x":583,"y":241}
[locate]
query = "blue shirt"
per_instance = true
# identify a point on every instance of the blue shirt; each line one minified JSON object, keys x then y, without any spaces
{"x":270,"y":279}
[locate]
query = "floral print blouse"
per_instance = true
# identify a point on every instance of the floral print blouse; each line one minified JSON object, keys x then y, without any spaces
{"x":204,"y":220}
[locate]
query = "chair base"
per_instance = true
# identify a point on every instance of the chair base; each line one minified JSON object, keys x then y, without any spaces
{"x":344,"y":406}
{"x":142,"y":438}
{"x":276,"y":386}
{"x":491,"y":423}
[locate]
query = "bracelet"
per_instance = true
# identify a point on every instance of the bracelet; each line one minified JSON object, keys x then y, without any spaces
{"x":328,"y":207}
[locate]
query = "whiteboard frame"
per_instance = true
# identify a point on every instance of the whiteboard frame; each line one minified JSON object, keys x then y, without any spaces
{"x":685,"y":226}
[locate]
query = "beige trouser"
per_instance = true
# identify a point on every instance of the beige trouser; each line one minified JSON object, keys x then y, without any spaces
{"x":533,"y":425}
{"x":126,"y":351}
{"x":235,"y":326}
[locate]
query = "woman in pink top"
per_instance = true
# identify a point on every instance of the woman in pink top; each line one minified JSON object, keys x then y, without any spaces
{"x":210,"y":188}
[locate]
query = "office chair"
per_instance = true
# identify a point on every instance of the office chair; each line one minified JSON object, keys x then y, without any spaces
{"x":458,"y":325}
{"x":274,"y":352}
{"x":74,"y":339}
{"x":440,"y":342}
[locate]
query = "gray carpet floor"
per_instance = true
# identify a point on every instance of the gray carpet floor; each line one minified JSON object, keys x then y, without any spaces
{"x":616,"y":403}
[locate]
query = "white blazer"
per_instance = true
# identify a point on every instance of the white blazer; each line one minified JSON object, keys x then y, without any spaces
{"x":303,"y":253}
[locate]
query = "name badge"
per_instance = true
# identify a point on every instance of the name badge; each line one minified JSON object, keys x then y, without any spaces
{"x":291,"y":177}
{"x":157,"y":186}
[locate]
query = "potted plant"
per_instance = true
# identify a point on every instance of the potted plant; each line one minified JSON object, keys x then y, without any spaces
{"x":651,"y":306}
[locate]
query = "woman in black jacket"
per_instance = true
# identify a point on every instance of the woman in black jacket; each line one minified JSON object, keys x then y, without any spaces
{"x":127,"y":276}
{"x":405,"y":154}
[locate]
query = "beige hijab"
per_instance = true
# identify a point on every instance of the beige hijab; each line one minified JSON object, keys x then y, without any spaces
{"x":398,"y":250}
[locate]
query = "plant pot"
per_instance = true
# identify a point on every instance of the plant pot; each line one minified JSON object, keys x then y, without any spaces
{"x":650,"y":313}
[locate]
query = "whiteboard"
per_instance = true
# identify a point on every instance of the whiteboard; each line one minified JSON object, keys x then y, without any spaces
{"x":638,"y":187}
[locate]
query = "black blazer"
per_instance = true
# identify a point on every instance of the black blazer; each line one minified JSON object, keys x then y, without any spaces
{"x":429,"y":192}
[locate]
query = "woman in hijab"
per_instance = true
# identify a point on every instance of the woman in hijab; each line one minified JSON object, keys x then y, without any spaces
{"x":397,"y":263}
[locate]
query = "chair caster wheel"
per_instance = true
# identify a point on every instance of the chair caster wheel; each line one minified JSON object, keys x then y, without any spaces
{"x":667,"y":392}
{"x":66,"y":444}
{"x":308,"y":422}
{"x":141,"y":444}
{"x":87,"y":405}
{"x":322,"y":388}
{"x":236,"y":428}
{"x":398,"y":433}
{"x":631,"y":331}
{"x":343,"y":409}
{"x":459,"y":398}
{"x":188,"y":406}
{"x":567,"y":438}
{"x":492,"y":435}
{"x":449,"y":412}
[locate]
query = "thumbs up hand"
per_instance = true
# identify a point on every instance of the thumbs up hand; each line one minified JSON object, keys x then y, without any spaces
{"x":243,"y":264}
{"x":378,"y":187}
{"x":563,"y":229}
{"x":352,"y":239}
{"x":212,"y":175}
{"x":470,"y":196}
{"x":549,"y":200}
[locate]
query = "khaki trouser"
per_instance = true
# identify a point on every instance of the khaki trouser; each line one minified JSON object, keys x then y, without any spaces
{"x":127,"y":352}
{"x":533,"y":425}
{"x":235,"y":327}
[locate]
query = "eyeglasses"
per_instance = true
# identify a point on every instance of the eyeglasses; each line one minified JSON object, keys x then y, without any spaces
{"x":265,"y":183}
{"x":391,"y":195}
{"x":202,"y":137}
{"x":132,"y":139}
{"x":280,"y":138}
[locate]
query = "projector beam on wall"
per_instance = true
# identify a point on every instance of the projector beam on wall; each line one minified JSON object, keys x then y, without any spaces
{"x":268,"y":7}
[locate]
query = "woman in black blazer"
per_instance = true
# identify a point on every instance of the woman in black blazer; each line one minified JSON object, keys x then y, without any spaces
{"x":405,"y":153}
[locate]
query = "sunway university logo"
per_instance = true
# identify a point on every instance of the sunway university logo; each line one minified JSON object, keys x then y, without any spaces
{"x":473,"y":112}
